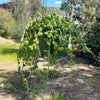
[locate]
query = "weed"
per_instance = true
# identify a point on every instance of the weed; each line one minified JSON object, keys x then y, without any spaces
{"x":58,"y":96}
{"x":93,"y":85}
{"x":5,"y":82}
{"x":2,"y":74}
{"x":90,"y":80}
{"x":52,"y":59}
{"x":54,"y":73}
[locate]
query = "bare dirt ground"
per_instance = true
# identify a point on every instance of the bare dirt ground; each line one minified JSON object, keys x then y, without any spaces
{"x":81,"y":82}
{"x":4,"y":68}
{"x":3,"y":41}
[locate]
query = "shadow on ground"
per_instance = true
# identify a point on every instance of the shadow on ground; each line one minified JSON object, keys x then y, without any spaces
{"x":9,"y":51}
{"x":81,"y":83}
{"x":14,"y":86}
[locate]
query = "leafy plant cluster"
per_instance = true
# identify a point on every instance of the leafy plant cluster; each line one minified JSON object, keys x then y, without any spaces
{"x":58,"y":96}
{"x":54,"y":32}
{"x":54,"y":73}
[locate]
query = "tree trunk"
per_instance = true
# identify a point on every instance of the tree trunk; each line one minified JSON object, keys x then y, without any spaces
{"x":71,"y":18}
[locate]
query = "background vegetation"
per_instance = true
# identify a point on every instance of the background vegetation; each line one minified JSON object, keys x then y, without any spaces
{"x":86,"y":14}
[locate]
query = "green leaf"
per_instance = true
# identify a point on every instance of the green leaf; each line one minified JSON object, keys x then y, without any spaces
{"x":45,"y":77}
{"x":34,"y":73}
{"x":55,"y":31}
{"x":33,"y":68}
{"x":26,"y":93}
{"x":26,"y":42}
{"x":24,"y":65}
{"x":48,"y":43}
{"x":31,"y":47}
{"x":42,"y":81}
{"x":19,"y":68}
{"x":60,"y":48}
{"x":42,"y":86}
{"x":45,"y":72}
{"x":36,"y":92}
{"x":33,"y":96}
{"x":45,"y":69}
{"x":40,"y":34}
{"x":24,"y":79}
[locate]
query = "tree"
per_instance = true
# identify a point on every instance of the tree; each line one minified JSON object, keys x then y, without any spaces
{"x":87,"y":14}
{"x":21,"y":20}
{"x":69,"y":7}
{"x":93,"y":39}
{"x":6,"y":21}
{"x":33,"y":7}
{"x":10,"y":6}
{"x":20,"y":10}
{"x":83,"y":10}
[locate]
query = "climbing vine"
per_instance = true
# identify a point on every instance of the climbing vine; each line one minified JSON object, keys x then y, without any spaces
{"x":54,"y":32}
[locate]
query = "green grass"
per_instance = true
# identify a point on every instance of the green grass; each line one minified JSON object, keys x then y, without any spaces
{"x":2,"y":74}
{"x":55,"y":74}
{"x":5,"y":82}
{"x":58,"y":96}
{"x":8,"y":52}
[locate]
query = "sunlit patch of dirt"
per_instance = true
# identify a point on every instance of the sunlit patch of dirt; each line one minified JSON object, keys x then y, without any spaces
{"x":80,"y":82}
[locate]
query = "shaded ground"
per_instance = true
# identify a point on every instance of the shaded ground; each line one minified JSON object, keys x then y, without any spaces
{"x":81,"y":82}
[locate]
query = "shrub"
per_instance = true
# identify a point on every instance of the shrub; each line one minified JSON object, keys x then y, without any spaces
{"x":17,"y":30}
{"x":93,"y":42}
{"x":54,"y":73}
{"x":58,"y":96}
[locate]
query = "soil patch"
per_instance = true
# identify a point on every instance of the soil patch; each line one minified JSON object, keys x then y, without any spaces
{"x":80,"y":82}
